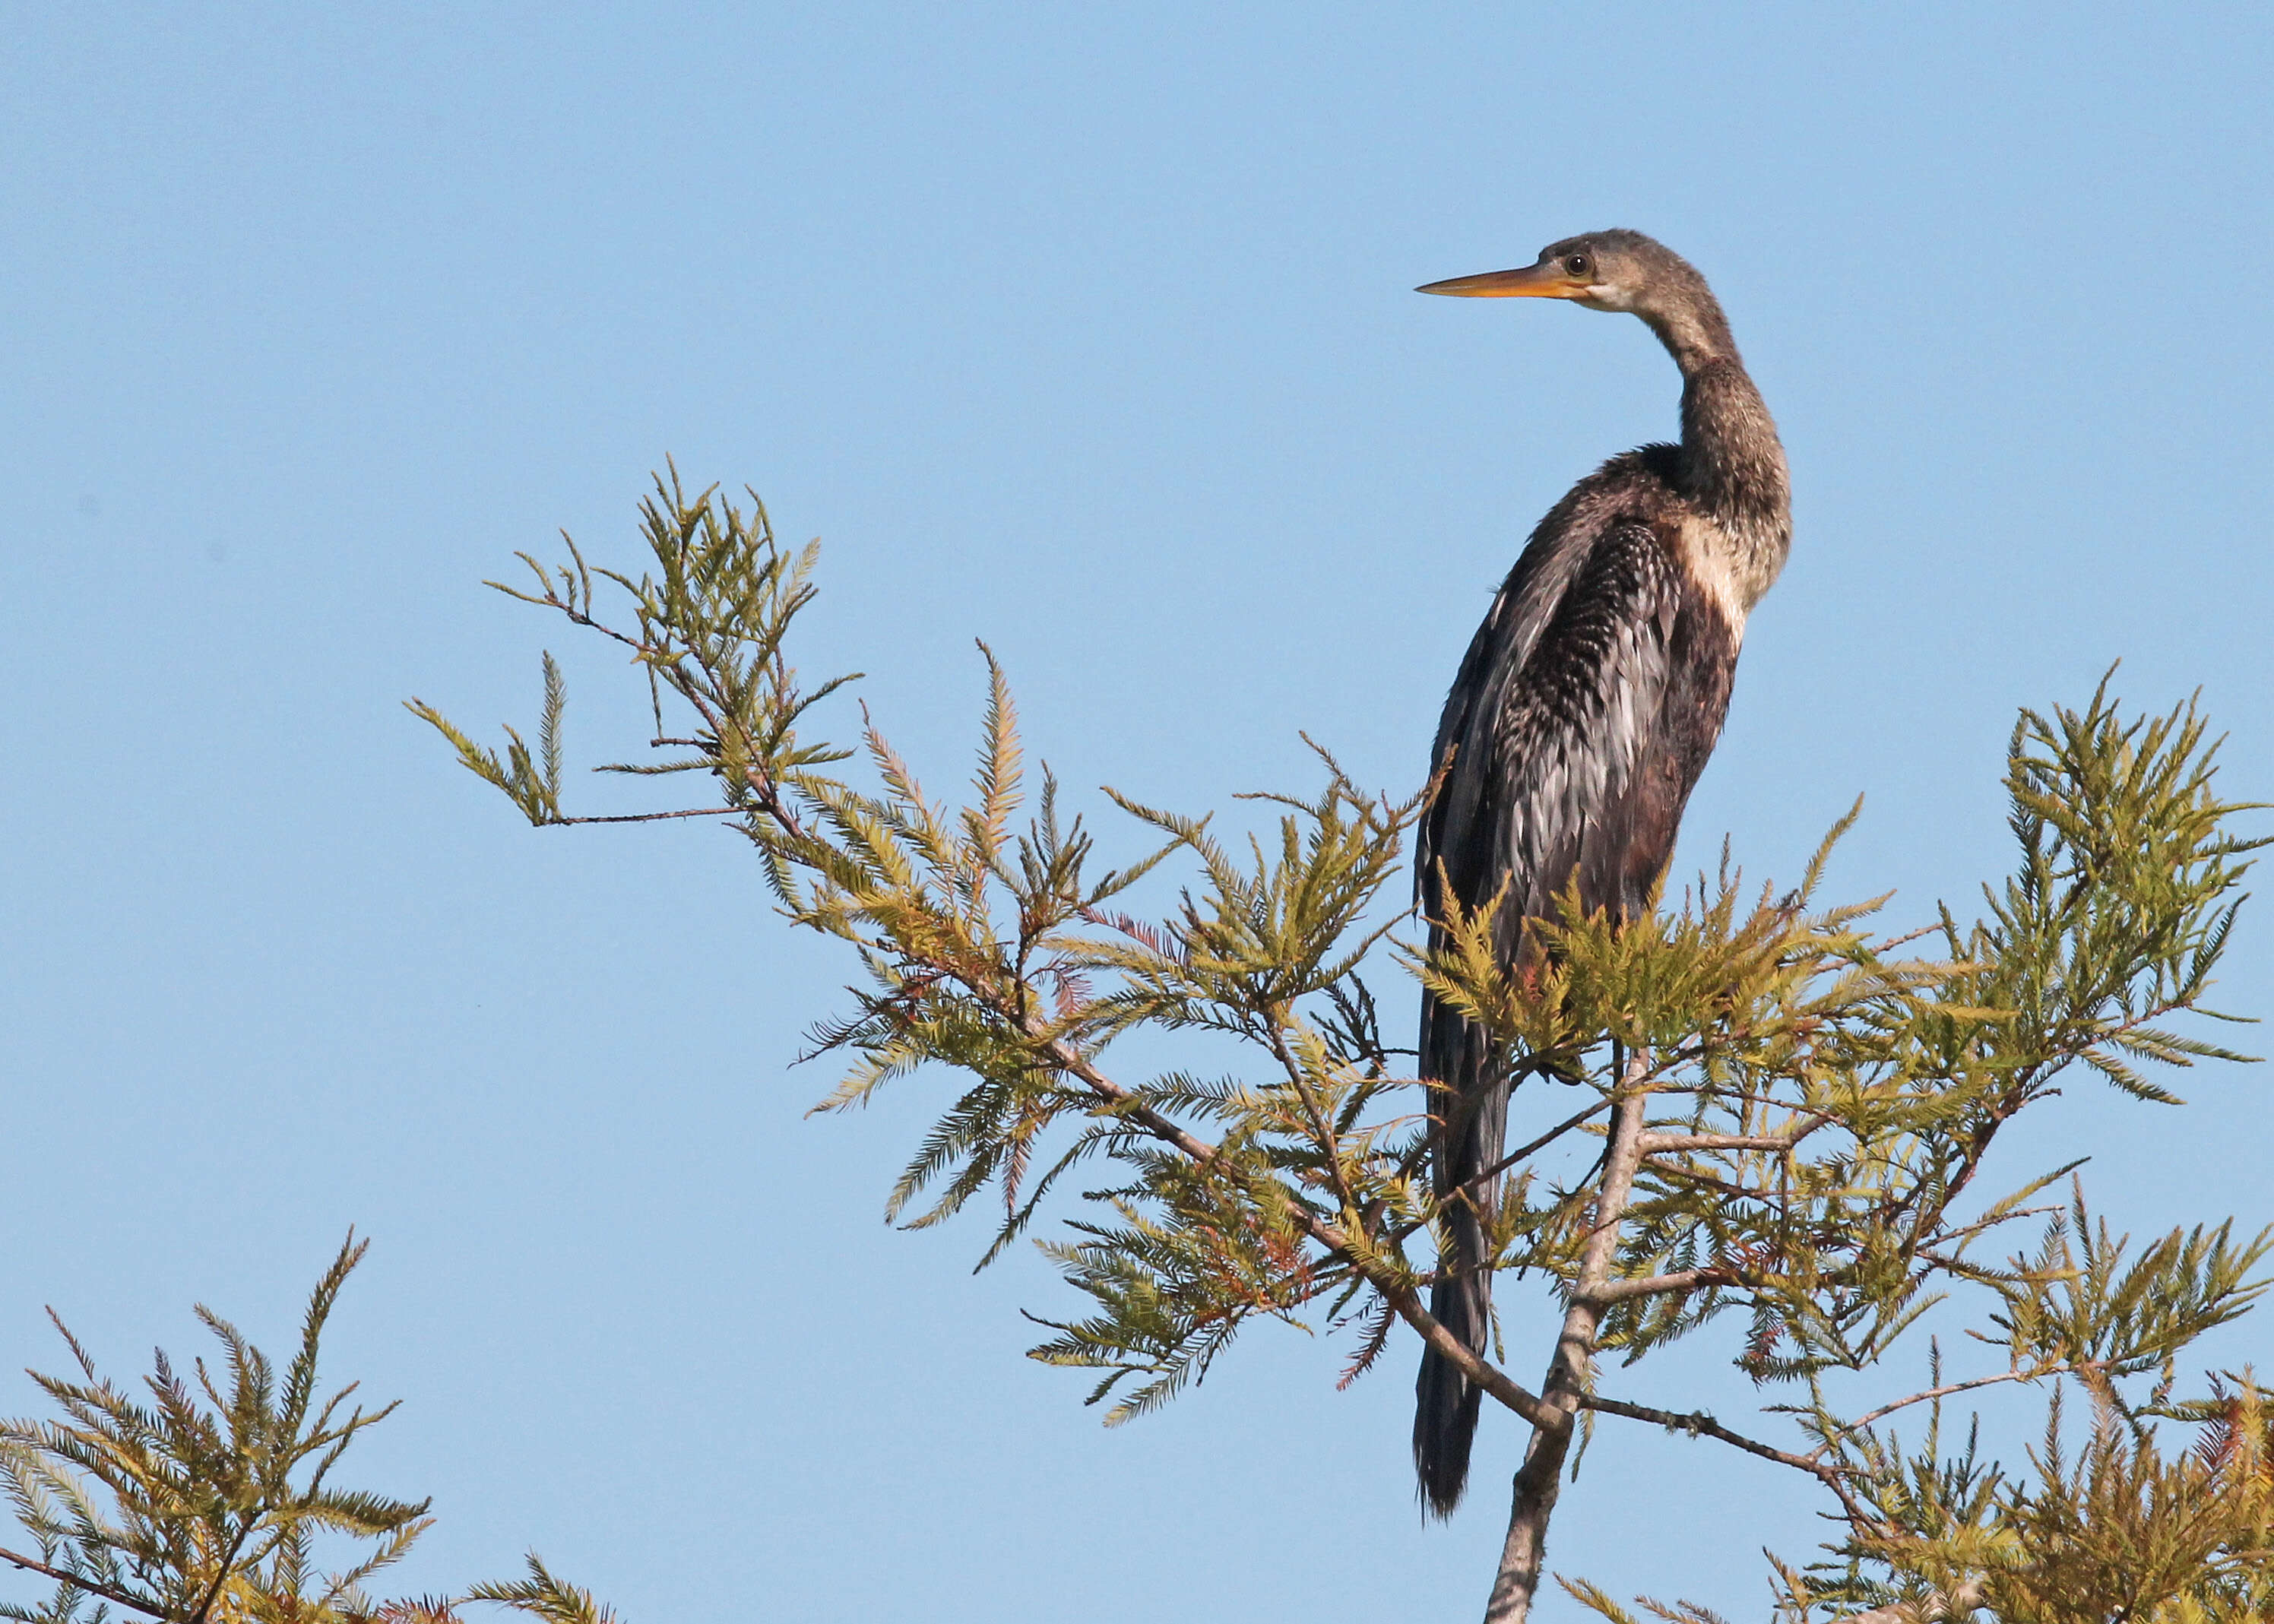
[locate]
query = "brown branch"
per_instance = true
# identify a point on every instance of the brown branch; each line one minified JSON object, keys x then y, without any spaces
{"x":79,"y":1581}
{"x":1541,"y":1476}
{"x":1739,"y":1191}
{"x":1665,"y":1144}
{"x":1489,"y":1377}
{"x":1476,"y":1371}
{"x":1322,"y":1135}
{"x":1965,"y":1232}
{"x":1062,"y":1057}
{"x":1704,"y":1426}
{"x":1662,"y":1285}
{"x":576,"y":616}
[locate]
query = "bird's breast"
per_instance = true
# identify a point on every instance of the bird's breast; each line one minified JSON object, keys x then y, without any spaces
{"x":1730,"y":570}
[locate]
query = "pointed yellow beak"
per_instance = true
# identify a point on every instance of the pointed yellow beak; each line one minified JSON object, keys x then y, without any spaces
{"x":1533,"y":282}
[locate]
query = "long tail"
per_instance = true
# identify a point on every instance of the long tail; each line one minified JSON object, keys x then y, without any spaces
{"x":1475,"y":1105}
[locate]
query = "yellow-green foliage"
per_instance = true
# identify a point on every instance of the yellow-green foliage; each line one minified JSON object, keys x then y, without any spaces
{"x":1818,"y":1103}
{"x":2121,"y":1527}
{"x":202,"y":1501}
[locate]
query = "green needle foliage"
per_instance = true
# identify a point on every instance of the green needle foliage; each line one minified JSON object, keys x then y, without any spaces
{"x":1781,"y":1113}
{"x":208,"y":1498}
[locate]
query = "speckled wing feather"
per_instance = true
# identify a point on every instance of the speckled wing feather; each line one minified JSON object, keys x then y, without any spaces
{"x":1569,"y":769}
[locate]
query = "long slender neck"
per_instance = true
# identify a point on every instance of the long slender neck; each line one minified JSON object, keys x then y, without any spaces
{"x":1733,"y":464}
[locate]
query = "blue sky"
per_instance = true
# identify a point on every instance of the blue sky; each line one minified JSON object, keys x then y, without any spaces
{"x":1086,"y":332}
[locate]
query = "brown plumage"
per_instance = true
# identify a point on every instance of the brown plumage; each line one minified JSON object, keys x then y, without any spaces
{"x":1583,"y":714}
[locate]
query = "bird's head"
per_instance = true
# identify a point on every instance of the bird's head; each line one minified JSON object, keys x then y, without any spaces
{"x":1611,"y":270}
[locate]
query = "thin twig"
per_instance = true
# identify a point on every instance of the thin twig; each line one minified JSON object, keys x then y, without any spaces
{"x":1501,"y":1166}
{"x":1704,"y":1426}
{"x":652,"y":817}
{"x":1884,"y":1410}
{"x":1740,"y":1192}
{"x":576,"y":615}
{"x":1542,"y":1143}
{"x":1968,"y":1231}
{"x":1322,"y":1135}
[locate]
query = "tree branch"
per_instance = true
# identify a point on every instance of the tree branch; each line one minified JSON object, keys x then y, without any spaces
{"x":79,"y":1582}
{"x":1477,"y":1370}
{"x":1661,"y":1285}
{"x":655,"y":817}
{"x":1704,"y":1426}
{"x":1664,"y":1144}
{"x":221,"y":1574}
{"x":1485,"y":1375}
{"x":1501,"y":1166}
{"x":1541,"y":1476}
{"x":1322,"y":1135}
{"x":1542,"y":1143}
{"x":1885,"y":1411}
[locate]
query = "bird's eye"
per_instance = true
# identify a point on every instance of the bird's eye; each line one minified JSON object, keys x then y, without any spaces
{"x":1576,"y":264}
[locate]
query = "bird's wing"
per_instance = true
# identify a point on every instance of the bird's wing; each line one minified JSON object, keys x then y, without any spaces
{"x":1496,"y":658}
{"x":1561,"y":759}
{"x":1579,"y":763}
{"x":1552,"y":763}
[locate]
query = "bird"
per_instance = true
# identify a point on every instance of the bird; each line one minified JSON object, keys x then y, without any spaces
{"x":1579,"y":721}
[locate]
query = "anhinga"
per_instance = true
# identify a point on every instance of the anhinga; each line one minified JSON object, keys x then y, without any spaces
{"x":1583,"y":712}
